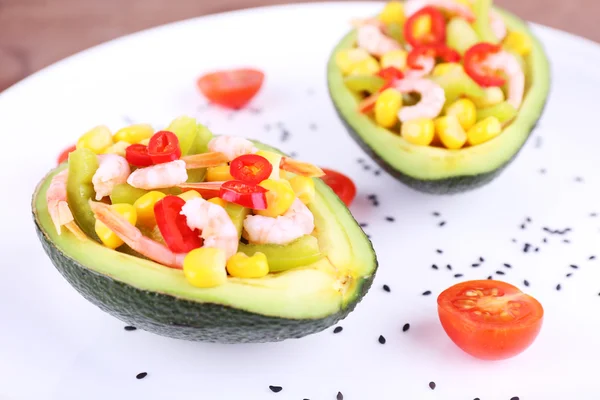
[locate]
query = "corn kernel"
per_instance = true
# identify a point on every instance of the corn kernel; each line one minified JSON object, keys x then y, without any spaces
{"x":492,"y":96}
{"x":393,"y":12}
{"x":518,"y":42}
{"x":108,"y":237}
{"x":117,"y":148}
{"x":419,"y":131}
{"x":190,"y":194}
{"x":218,"y":201}
{"x":274,"y":159}
{"x":450,"y":132}
{"x":97,"y":139}
{"x":144,"y":207}
{"x":241,"y":266}
{"x":465,"y":111}
{"x":145,"y":142}
{"x":484,"y":130}
{"x":280,"y":197}
{"x":218,"y":174}
{"x":304,"y":188}
{"x":444,"y":68}
{"x":368,"y":66}
{"x":387,"y":106}
{"x":394,"y":58}
{"x":346,"y":59}
{"x":205,"y":267}
{"x":134,"y":133}
{"x":422,"y":26}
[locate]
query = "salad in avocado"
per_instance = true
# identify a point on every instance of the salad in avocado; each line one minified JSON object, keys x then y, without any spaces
{"x":443,"y":93}
{"x":201,"y":237}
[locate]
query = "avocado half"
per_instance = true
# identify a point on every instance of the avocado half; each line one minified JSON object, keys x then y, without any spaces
{"x":158,"y":299}
{"x":436,"y":170}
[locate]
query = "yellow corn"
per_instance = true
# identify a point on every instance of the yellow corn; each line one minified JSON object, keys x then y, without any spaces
{"x":218,"y":174}
{"x":97,"y":139}
{"x":368,"y":66}
{"x":518,"y":42}
{"x":117,"y":148}
{"x":493,"y":95}
{"x":144,"y":207}
{"x":304,"y":188}
{"x":145,"y":142}
{"x":346,"y":59}
{"x":422,"y":26}
{"x":393,"y":12}
{"x":280,"y":197}
{"x":444,"y":68}
{"x":205,"y":267}
{"x":419,"y":131}
{"x":394,"y":58}
{"x":134,"y":133}
{"x":190,"y":194}
{"x":484,"y":130}
{"x":465,"y":111}
{"x":450,"y":132}
{"x":218,"y":201}
{"x":387,"y":106}
{"x":241,"y":266}
{"x":108,"y":237}
{"x":274,"y":159}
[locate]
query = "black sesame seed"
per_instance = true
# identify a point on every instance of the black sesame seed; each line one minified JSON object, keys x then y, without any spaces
{"x":514,"y":398}
{"x":507,"y":265}
{"x":545,"y":240}
{"x":363,"y":224}
{"x":360,"y":160}
{"x":406,"y":327}
{"x":293,"y":154}
{"x":513,"y":240}
{"x":578,"y":179}
{"x":526,"y":247}
{"x":490,"y":277}
{"x":475,"y":265}
{"x":427,"y":293}
{"x":526,"y":282}
{"x":476,"y":398}
{"x":573,"y":266}
{"x":569,"y":274}
{"x":340,"y":396}
{"x":368,"y":236}
{"x":500,"y":272}
{"x":528,"y":219}
{"x":558,"y":287}
{"x":377,"y":173}
{"x":442,"y":223}
{"x":439,"y":251}
{"x":566,"y":241}
{"x":449,"y":267}
{"x":522,"y":226}
{"x":458,"y":275}
{"x":386,"y":288}
{"x":375,"y":203}
{"x":593,"y":214}
{"x":254,"y":110}
{"x":372,"y":197}
{"x":366,"y":167}
{"x":313,"y":127}
{"x":130,"y":328}
{"x":432,"y":385}
{"x":381,"y":339}
{"x":275,"y":389}
{"x":436,"y":214}
{"x":543,"y":171}
{"x":141,"y":375}
{"x":390,"y":219}
{"x":434,"y":266}
{"x":481,"y":259}
{"x":592,"y":258}
{"x":338,"y":329}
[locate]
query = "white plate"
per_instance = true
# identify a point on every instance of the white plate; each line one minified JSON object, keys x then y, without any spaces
{"x":56,"y":345}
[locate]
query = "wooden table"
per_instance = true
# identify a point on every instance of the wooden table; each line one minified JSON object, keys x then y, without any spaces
{"x":36,"y":33}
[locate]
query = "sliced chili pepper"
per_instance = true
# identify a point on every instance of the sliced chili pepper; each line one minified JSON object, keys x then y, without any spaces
{"x":64,"y":156}
{"x":173,"y":226}
{"x":250,"y":168}
{"x":473,"y":60}
{"x":243,"y":194}
{"x":164,"y":147}
{"x":437,"y":51}
{"x":438,"y":27}
{"x":390,"y":73}
{"x":137,"y":154}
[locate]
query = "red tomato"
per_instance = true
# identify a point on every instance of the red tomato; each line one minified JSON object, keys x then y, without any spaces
{"x":173,"y":226}
{"x":488,"y":319}
{"x":250,"y":168}
{"x":137,"y":154}
{"x":164,"y":147}
{"x":64,"y":156}
{"x":231,"y":88}
{"x":341,"y":185}
{"x":243,"y":194}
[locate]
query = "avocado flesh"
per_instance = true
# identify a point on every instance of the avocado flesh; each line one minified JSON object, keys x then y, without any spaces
{"x":289,"y":304}
{"x":433,"y":169}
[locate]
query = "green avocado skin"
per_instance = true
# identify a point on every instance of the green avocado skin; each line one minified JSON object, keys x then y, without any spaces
{"x":183,"y":319}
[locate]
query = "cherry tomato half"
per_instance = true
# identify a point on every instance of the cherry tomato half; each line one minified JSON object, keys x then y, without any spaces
{"x":164,"y":147}
{"x":231,"y":88}
{"x":243,"y":194}
{"x":340,"y":184}
{"x":250,"y":168}
{"x":489,"y":319}
{"x":137,"y":155}
{"x":173,"y":225}
{"x":64,"y":156}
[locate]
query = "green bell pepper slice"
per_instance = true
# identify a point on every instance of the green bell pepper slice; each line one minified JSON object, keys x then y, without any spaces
{"x":482,"y":23}
{"x":364,"y":83}
{"x":301,"y":252}
{"x":503,"y":111}
{"x":83,"y":164}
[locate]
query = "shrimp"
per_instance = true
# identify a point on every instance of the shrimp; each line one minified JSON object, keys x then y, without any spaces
{"x":218,"y":230}
{"x":231,"y":146}
{"x":371,"y":38}
{"x":112,"y":171}
{"x":58,"y":207}
{"x":497,"y":24}
{"x":427,"y":63}
{"x":507,"y":63}
{"x":134,"y":238}
{"x":431,"y":103}
{"x":295,"y":223}
{"x":159,"y":176}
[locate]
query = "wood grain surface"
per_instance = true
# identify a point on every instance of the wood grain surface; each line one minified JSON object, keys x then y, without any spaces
{"x":36,"y":33}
